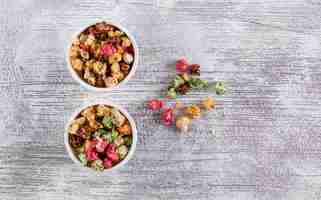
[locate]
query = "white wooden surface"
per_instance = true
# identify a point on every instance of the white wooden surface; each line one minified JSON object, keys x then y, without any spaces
{"x":263,"y":141}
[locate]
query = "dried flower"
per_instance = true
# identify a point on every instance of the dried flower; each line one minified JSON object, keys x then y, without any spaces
{"x":77,"y":64}
{"x":110,"y":81}
{"x":183,"y":89}
{"x":122,"y":151}
{"x":195,"y":69}
{"x":107,"y":163}
{"x":193,"y":111}
{"x":124,"y":68}
{"x":82,"y":158}
{"x":75,"y":140}
{"x":125,"y":129}
{"x":208,"y":103}
{"x":128,"y":58}
{"x":171,"y":93}
{"x":197,"y":83}
{"x":97,"y":165}
{"x":178,"y":80}
{"x":182,"y":123}
{"x":115,"y":67}
{"x":125,"y":42}
{"x":181,"y":65}
{"x":167,"y":117}
{"x":155,"y":104}
{"x":220,"y":88}
{"x":116,"y":57}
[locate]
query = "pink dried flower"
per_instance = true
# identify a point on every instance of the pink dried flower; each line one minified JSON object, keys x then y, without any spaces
{"x":111,"y":148}
{"x":101,"y":145}
{"x":107,"y":163}
{"x":167,"y":117}
{"x":91,"y":154}
{"x":155,"y":104}
{"x":113,"y":156}
{"x":108,"y":49}
{"x":181,"y":65}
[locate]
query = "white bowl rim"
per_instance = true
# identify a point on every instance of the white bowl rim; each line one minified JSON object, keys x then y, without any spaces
{"x":124,"y":112}
{"x":129,"y":75}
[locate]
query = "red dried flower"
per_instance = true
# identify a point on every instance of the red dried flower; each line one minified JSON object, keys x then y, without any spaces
{"x":181,"y":65}
{"x":101,"y":145}
{"x":107,"y":163}
{"x":107,"y":49}
{"x":184,"y":88}
{"x":167,"y":117}
{"x":195,"y":69}
{"x":155,"y":104}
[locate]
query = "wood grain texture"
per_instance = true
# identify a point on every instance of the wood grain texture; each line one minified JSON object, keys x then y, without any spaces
{"x":263,"y":141}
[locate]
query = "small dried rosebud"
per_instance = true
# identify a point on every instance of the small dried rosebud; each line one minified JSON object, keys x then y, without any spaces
{"x":183,"y":89}
{"x":125,"y":42}
{"x":155,"y":104}
{"x":107,"y":163}
{"x":193,"y":111}
{"x":110,"y":81}
{"x":75,"y":140}
{"x":182,"y":123}
{"x":128,"y":58}
{"x":114,"y":58}
{"x":208,"y":103}
{"x":167,"y":117}
{"x":124,"y":68}
{"x":107,"y":49}
{"x":171,"y":93}
{"x":220,"y":88}
{"x":181,"y":65}
{"x":101,"y":145}
{"x":178,"y":80}
{"x":195,"y":69}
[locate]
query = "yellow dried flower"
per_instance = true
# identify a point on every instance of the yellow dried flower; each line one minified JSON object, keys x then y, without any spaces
{"x":193,"y":111}
{"x":118,"y":75}
{"x":125,"y":42}
{"x":115,"y":67}
{"x":77,"y":64}
{"x":111,"y":33}
{"x":208,"y":103}
{"x":182,"y":123}
{"x":114,"y":58}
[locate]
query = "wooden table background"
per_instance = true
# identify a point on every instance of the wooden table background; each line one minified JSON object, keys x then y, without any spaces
{"x":262,"y":142}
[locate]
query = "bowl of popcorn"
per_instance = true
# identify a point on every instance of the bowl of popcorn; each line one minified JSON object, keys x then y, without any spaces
{"x":102,"y":56}
{"x":101,"y":136}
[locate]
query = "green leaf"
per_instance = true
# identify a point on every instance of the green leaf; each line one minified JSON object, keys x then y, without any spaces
{"x":171,"y":93}
{"x":197,"y":83}
{"x":108,"y":122}
{"x":108,"y":137}
{"x":100,"y":132}
{"x":128,"y":140}
{"x":98,"y":165}
{"x":82,"y":158}
{"x":220,"y":88}
{"x":178,"y":81}
{"x":114,"y":134}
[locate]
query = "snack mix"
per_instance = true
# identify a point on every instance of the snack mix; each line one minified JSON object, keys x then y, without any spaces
{"x":100,"y":137}
{"x":102,"y":55}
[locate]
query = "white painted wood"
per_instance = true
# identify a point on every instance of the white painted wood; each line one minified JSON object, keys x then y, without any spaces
{"x":263,"y":141}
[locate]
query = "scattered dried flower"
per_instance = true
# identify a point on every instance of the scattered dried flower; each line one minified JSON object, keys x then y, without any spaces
{"x":193,"y":111}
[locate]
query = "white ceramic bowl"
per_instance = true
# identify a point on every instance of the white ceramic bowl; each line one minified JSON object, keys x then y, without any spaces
{"x":129,"y":75}
{"x":131,"y":122}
